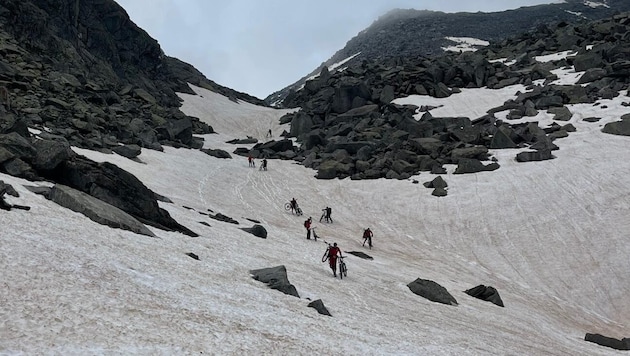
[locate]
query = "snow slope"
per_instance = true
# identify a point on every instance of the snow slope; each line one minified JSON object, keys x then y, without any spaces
{"x":551,"y":236}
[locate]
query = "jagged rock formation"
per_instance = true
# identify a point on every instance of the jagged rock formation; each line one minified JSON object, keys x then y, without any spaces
{"x":275,"y":278}
{"x":395,"y":34}
{"x":348,"y":126}
{"x":487,"y":293}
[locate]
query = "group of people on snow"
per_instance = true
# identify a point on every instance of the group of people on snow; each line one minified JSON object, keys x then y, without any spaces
{"x":252,"y":163}
{"x":333,"y":252}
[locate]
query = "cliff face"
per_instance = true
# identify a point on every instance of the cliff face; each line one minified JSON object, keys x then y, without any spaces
{"x":97,"y":40}
{"x":420,"y":33}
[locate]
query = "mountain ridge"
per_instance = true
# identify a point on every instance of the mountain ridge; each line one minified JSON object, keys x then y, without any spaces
{"x":394,"y":34}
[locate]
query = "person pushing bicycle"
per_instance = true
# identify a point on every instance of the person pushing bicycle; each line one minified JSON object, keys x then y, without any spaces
{"x":332,"y":253}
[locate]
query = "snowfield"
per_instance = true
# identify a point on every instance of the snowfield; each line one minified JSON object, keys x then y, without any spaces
{"x":551,"y":237}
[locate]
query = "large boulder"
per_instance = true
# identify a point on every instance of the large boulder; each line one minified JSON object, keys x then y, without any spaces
{"x":113,"y":185}
{"x":256,"y":230}
{"x":487,"y":293}
{"x":49,"y":154}
{"x":623,"y":344}
{"x":431,"y":291}
{"x":530,"y":156}
{"x":95,"y":209}
{"x":275,"y":278}
{"x":468,"y":165}
{"x":129,"y":151}
{"x":617,"y":128}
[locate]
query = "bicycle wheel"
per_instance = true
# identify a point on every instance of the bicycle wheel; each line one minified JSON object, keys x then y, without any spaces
{"x":342,"y":269}
{"x":287,"y":206}
{"x":325,"y":256}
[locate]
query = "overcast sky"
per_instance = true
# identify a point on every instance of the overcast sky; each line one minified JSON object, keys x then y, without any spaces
{"x":259,"y":47}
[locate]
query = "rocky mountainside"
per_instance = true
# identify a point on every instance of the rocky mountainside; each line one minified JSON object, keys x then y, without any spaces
{"x":349,"y":127}
{"x":81,"y":73}
{"x":415,"y":33}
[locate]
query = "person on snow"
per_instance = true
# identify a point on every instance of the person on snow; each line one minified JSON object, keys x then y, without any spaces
{"x":334,"y":252}
{"x":250,"y":159}
{"x":367,"y":236}
{"x":294,"y":205}
{"x":307,"y":225}
{"x":263,"y":165}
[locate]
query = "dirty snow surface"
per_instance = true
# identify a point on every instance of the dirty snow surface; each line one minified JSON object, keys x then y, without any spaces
{"x":551,"y":237}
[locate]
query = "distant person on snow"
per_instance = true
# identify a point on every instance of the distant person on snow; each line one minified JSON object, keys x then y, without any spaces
{"x":269,"y":133}
{"x":307,"y":225}
{"x":333,"y":253}
{"x":250,"y":159}
{"x":263,"y":165}
{"x":367,"y":237}
{"x":326,"y":215}
{"x":294,"y":205}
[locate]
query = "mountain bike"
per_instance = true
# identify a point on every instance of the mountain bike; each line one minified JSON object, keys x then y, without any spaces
{"x":298,"y":211}
{"x":343,"y":269}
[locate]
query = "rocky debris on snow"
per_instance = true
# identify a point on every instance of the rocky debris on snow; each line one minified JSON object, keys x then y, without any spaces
{"x":623,"y":344}
{"x":591,"y":119}
{"x":439,"y":192}
{"x":7,"y":188}
{"x":256,"y":230}
{"x":192,"y":255}
{"x":253,"y":220}
{"x":243,"y":141}
{"x":487,"y":293}
{"x":97,"y":210}
{"x":216,"y":153}
{"x":437,"y":182}
{"x":204,"y":223}
{"x":471,"y":165}
{"x":560,"y":113}
{"x":395,"y":35}
{"x":431,"y":291}
{"x":439,"y":185}
{"x":224,"y":218}
{"x":319,"y":306}
{"x":530,"y":156}
{"x":348,"y":126}
{"x":275,"y":278}
{"x":360,"y":254}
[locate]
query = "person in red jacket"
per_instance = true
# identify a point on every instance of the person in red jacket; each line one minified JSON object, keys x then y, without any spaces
{"x":307,"y":225}
{"x":334,"y":252}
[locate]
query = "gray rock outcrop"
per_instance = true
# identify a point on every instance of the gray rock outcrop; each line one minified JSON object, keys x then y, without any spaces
{"x":275,"y":278}
{"x":96,"y":209}
{"x":431,"y":291}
